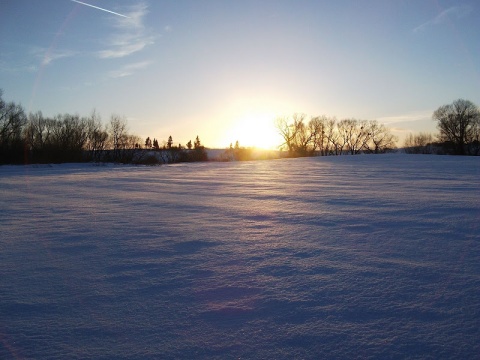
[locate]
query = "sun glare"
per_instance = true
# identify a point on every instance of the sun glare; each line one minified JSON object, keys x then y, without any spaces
{"x":254,"y":130}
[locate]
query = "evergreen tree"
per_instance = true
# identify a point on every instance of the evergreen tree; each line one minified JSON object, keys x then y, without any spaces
{"x":200,"y":154}
{"x":197,"y":144}
{"x":148,"y":143}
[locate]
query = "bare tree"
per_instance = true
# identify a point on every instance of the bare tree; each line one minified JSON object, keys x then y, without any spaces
{"x":67,"y":138}
{"x":326,"y":136}
{"x":421,"y":143}
{"x":332,"y":136}
{"x":97,"y":137}
{"x":343,"y":129}
{"x":303,"y":135}
{"x":38,"y":131}
{"x":317,"y":127}
{"x":379,"y":137}
{"x":74,"y":132}
{"x":474,"y":145}
{"x":458,"y":124}
{"x":117,"y":134}
{"x":132,"y":142}
{"x":288,"y":133}
{"x":354,"y":134}
{"x":299,"y":137}
{"x":12,"y":123}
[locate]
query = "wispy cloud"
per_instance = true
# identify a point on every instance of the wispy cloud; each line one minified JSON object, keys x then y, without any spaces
{"x":452,"y":13}
{"x":129,"y":69}
{"x":131,"y":34}
{"x":409,"y":117}
{"x":47,"y":56}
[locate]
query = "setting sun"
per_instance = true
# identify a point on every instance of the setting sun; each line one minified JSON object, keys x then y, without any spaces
{"x":254,"y":130}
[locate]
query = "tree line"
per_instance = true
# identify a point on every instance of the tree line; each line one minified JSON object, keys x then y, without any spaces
{"x":321,"y":135}
{"x":34,"y":138}
{"x":170,"y":153}
{"x":458,"y":124}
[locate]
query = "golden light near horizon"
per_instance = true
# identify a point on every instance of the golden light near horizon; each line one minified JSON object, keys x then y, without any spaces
{"x":254,"y":129}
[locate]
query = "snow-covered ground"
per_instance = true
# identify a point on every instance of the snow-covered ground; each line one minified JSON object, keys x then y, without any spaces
{"x":334,"y":257}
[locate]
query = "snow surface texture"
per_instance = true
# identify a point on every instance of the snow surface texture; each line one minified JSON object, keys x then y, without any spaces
{"x":334,"y":257}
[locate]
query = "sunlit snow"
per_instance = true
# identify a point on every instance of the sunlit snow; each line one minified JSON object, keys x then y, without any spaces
{"x":333,"y":257}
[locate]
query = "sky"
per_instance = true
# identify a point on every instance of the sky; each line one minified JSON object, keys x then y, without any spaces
{"x":224,"y":70}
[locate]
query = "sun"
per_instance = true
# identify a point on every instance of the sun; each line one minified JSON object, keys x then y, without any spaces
{"x":255,"y":130}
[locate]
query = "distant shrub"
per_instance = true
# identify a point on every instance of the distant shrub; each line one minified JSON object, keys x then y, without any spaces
{"x":148,"y":160}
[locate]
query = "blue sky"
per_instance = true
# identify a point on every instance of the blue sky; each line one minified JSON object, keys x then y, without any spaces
{"x":225,"y":69}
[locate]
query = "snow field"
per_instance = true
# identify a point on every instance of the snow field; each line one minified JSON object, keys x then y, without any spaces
{"x":332,"y":257}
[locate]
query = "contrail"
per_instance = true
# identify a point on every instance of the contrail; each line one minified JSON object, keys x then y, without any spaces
{"x":99,"y":8}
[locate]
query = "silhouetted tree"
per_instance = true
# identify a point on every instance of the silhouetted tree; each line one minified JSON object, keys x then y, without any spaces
{"x":332,"y":137}
{"x":342,"y":129}
{"x":354,"y":135}
{"x":241,"y":153}
{"x":169,"y":142}
{"x":378,"y":138}
{"x":459,"y":125}
{"x":316,"y":127}
{"x":118,"y":133}
{"x":12,"y":123}
{"x":97,"y":137}
{"x":199,"y":153}
{"x":126,"y":147}
{"x":287,"y":131}
{"x":148,"y":143}
{"x":421,"y":143}
{"x":325,"y":136}
{"x":37,"y":136}
{"x":64,"y":138}
{"x":68,"y":138}
{"x":300,"y":139}
{"x":303,"y":135}
{"x":197,"y":143}
{"x":189,"y":145}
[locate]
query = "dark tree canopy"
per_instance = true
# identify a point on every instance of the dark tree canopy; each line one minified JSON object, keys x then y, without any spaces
{"x":12,"y":122}
{"x":459,"y":125}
